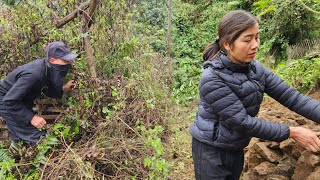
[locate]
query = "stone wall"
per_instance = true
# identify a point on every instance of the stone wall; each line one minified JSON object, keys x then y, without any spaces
{"x":280,"y":161}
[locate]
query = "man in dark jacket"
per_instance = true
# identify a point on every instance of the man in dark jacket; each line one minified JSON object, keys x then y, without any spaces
{"x":27,"y":82}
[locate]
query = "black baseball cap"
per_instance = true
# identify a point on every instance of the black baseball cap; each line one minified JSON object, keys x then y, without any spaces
{"x":59,"y":50}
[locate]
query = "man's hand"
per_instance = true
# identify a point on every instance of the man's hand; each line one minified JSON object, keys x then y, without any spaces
{"x":306,"y":138}
{"x":70,"y":85}
{"x":38,"y":122}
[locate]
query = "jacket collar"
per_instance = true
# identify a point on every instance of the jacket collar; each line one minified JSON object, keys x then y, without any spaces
{"x":240,"y":68}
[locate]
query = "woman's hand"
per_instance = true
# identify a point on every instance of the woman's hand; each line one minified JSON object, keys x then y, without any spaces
{"x":70,"y":85}
{"x":306,"y":138}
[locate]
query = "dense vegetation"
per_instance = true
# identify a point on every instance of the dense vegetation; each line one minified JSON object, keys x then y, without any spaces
{"x":118,"y":125}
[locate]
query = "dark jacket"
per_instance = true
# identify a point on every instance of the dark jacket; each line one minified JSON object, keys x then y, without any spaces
{"x":230,"y":98}
{"x":19,"y":90}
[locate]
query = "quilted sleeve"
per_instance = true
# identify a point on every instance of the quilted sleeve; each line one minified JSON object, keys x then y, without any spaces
{"x":291,"y":98}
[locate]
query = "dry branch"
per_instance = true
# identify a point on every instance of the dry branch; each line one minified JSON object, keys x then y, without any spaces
{"x":93,"y":6}
{"x":72,"y":15}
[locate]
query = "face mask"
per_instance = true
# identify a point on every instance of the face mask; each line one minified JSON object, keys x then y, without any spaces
{"x":57,"y":75}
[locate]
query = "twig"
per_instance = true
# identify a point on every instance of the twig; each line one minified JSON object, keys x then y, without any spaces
{"x":67,"y":149}
{"x":130,"y":128}
{"x":72,"y":15}
{"x":45,"y":165}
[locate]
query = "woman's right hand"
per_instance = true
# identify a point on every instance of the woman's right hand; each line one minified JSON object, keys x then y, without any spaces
{"x":306,"y":138}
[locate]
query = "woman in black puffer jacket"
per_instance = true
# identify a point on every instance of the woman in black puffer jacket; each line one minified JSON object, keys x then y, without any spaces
{"x":231,"y":91}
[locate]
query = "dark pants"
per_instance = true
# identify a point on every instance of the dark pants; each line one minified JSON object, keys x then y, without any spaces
{"x":28,"y":133}
{"x":211,"y":163}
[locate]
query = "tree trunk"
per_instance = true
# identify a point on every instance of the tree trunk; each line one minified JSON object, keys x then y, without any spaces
{"x":86,"y":21}
{"x":88,"y":48}
{"x":169,"y":30}
{"x":168,"y":58}
{"x":93,"y":6}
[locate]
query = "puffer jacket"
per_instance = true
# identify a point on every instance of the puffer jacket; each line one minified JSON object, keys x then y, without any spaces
{"x":230,"y":98}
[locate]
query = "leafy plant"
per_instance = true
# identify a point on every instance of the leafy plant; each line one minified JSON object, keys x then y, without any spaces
{"x":43,"y":148}
{"x":158,"y":165}
{"x":263,"y":7}
{"x":302,"y":74}
{"x":6,"y":163}
{"x":284,"y":23}
{"x":195,"y":26}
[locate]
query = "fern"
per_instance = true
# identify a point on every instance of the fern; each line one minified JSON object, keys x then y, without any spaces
{"x":6,"y":162}
{"x":4,"y":155}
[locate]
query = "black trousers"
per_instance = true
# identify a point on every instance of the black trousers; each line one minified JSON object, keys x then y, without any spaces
{"x":26,"y":133}
{"x":211,"y":163}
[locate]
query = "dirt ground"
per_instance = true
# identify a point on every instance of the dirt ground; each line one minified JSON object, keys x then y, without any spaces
{"x":182,"y":164}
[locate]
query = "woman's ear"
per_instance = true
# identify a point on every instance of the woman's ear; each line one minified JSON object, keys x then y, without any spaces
{"x":226,"y":46}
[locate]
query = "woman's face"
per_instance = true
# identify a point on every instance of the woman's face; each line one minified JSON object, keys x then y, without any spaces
{"x":245,"y":47}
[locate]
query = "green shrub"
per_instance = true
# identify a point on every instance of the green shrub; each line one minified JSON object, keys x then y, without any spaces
{"x":284,"y":23}
{"x":303,"y":74}
{"x":195,"y":26}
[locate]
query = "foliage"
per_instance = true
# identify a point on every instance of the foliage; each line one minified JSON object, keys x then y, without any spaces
{"x":284,"y":23}
{"x":29,"y":26}
{"x":303,"y":74}
{"x":6,"y":162}
{"x":115,"y":126}
{"x":43,"y":148}
{"x":264,"y":7}
{"x":153,"y":23}
{"x":156,"y":162}
{"x":10,"y":2}
{"x":11,"y":169}
{"x":195,"y":26}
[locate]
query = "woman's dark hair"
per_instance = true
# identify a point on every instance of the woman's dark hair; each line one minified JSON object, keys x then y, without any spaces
{"x":230,"y":27}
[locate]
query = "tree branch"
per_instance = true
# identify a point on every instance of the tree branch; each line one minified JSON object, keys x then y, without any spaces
{"x":72,"y":15}
{"x":93,"y":5}
{"x":92,"y":8}
{"x":308,"y":8}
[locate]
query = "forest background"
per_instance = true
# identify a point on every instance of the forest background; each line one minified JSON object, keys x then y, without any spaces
{"x":138,"y":73}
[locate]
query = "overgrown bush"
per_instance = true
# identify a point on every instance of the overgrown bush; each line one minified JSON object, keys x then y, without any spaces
{"x":195,"y":26}
{"x":303,"y":74}
{"x":26,"y":27}
{"x":284,"y":23}
{"x":100,"y":134}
